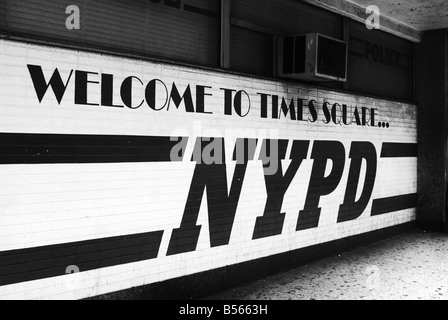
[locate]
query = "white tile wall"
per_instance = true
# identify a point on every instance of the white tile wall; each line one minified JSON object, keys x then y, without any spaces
{"x":59,"y":203}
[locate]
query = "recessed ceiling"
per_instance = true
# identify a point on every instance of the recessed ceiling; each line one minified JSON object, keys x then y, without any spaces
{"x":418,"y":14}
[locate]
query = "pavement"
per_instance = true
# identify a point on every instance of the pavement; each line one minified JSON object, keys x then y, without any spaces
{"x":410,"y":266}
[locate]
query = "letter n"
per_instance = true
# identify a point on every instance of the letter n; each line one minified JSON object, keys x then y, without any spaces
{"x":222,"y":204}
{"x":271,"y":222}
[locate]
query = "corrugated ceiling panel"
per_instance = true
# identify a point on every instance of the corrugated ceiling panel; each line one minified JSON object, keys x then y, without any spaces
{"x":288,"y":16}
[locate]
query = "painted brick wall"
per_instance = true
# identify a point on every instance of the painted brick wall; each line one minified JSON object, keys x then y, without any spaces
{"x":97,"y":187}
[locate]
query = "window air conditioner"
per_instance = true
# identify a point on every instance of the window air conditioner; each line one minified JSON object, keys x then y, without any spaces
{"x":312,"y":57}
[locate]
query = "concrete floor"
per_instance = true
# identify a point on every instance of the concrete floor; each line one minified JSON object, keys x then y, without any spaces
{"x":410,"y":266}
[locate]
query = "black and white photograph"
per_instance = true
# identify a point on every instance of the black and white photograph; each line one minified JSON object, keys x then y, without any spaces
{"x":234,"y":157}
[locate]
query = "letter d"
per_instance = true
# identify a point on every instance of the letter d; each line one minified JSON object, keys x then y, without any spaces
{"x":352,"y":209}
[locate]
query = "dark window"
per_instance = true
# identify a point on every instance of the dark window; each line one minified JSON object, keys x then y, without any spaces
{"x":380,"y":63}
{"x":180,"y":30}
{"x":331,"y":57}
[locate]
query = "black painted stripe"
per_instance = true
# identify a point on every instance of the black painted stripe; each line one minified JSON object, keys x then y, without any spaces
{"x":201,"y":11}
{"x":398,"y":150}
{"x":391,"y":204}
{"x":51,"y":261}
{"x":21,"y":148}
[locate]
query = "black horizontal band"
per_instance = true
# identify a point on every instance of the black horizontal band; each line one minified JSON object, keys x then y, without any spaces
{"x":391,"y":204}
{"x":22,"y":148}
{"x":398,"y":150}
{"x":50,"y":261}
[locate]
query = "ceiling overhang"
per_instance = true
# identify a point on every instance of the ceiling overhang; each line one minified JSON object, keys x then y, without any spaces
{"x":358,"y":12}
